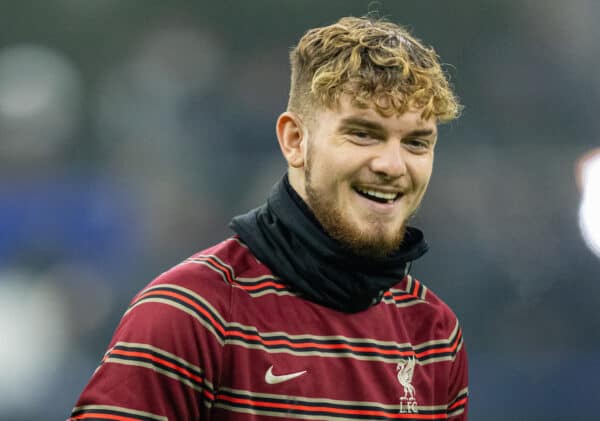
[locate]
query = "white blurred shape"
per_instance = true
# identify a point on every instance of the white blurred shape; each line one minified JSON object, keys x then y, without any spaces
{"x":40,"y":94}
{"x":589,"y":210}
{"x":33,"y":338}
{"x":28,"y":100}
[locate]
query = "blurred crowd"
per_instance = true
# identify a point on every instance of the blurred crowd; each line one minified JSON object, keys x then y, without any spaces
{"x":131,"y":132}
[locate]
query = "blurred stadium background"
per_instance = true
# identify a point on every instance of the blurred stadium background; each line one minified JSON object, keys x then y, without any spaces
{"x":132,"y":131}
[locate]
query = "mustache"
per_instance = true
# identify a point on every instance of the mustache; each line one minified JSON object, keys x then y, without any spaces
{"x":382,"y":181}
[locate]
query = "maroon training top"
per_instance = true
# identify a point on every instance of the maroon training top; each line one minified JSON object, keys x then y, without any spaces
{"x":218,"y":337}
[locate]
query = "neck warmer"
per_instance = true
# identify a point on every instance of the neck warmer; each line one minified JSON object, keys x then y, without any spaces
{"x":285,"y":235}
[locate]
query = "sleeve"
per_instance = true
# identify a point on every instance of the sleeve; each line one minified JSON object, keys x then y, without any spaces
{"x":458,"y":392}
{"x":162,"y":363}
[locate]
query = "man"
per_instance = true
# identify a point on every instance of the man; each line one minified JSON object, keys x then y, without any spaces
{"x":309,"y":311}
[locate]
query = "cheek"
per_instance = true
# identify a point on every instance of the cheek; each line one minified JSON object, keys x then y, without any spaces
{"x":424,"y":181}
{"x":421,"y":179}
{"x":327,"y":169}
{"x":422,"y":172}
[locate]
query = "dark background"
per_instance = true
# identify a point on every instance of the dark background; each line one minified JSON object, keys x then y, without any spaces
{"x":132,"y":131}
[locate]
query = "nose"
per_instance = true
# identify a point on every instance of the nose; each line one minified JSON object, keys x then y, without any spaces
{"x":389,"y":161}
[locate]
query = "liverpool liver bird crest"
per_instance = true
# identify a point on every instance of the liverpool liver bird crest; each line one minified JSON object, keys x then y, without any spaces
{"x":406,"y":369}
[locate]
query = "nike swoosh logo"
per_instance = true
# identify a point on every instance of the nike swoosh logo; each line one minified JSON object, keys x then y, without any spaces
{"x":274,"y":379}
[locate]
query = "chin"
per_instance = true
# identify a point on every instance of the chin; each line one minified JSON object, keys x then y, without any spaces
{"x":373,"y":240}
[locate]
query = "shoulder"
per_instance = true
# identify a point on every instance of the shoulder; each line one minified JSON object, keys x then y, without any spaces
{"x":193,"y":297}
{"x":413,"y":294}
{"x":172,"y":335}
{"x":429,"y":317}
{"x":206,"y":278}
{"x":437,"y":304}
{"x":212,"y":270}
{"x":446,"y":323}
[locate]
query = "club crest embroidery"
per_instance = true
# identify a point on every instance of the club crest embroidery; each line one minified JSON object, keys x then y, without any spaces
{"x":408,"y":402}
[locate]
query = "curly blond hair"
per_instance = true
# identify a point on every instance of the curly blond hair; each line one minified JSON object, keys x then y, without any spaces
{"x":376,"y":62}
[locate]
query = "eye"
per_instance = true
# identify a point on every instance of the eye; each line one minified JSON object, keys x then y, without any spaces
{"x":361,"y":137}
{"x":361,"y":134}
{"x":417,"y":145}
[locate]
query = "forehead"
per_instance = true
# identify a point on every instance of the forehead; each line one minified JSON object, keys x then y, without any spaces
{"x":347,"y":111}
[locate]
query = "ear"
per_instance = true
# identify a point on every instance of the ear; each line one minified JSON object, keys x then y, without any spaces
{"x":292,"y":138}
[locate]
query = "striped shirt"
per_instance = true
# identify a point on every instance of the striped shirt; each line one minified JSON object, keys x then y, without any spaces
{"x":218,"y":337}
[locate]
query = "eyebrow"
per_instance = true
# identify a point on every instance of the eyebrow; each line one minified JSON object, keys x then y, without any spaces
{"x":367,"y":124}
{"x":371,"y":125}
{"x":418,"y":133}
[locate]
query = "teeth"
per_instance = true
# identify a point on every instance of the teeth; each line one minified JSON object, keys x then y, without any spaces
{"x":378,"y":194}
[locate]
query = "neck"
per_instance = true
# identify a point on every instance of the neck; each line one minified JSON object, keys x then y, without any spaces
{"x":285,"y":236}
{"x":295,"y":177}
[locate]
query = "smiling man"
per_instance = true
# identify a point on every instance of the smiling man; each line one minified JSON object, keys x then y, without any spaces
{"x":362,"y":174}
{"x":309,"y":311}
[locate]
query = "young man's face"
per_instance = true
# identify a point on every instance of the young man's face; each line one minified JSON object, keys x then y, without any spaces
{"x":366,"y":174}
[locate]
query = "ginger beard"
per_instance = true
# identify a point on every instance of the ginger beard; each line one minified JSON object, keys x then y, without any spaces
{"x":378,"y":241}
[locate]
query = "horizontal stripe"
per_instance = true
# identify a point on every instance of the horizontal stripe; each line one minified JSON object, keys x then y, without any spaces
{"x":305,"y":408}
{"x":334,"y":346}
{"x":324,"y":401}
{"x":140,"y":356}
{"x":269,"y":291}
{"x":161,"y":352}
{"x":460,"y":400}
{"x":458,"y":405}
{"x":321,"y":413}
{"x":255,"y":287}
{"x":223,"y":274}
{"x":264,"y":285}
{"x":110,"y":412}
{"x":219,"y":324}
{"x":162,"y":362}
{"x":255,"y":279}
{"x":268,"y":284}
{"x":414,"y":294}
{"x":316,"y":417}
{"x":444,"y":357}
{"x":216,"y":264}
{"x":99,"y":416}
{"x":457,"y":412}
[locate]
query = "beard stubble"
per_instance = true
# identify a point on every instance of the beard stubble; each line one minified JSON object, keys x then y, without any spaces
{"x":376,"y":242}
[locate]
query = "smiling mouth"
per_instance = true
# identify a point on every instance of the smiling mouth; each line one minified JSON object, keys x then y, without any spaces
{"x":377,"y":196}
